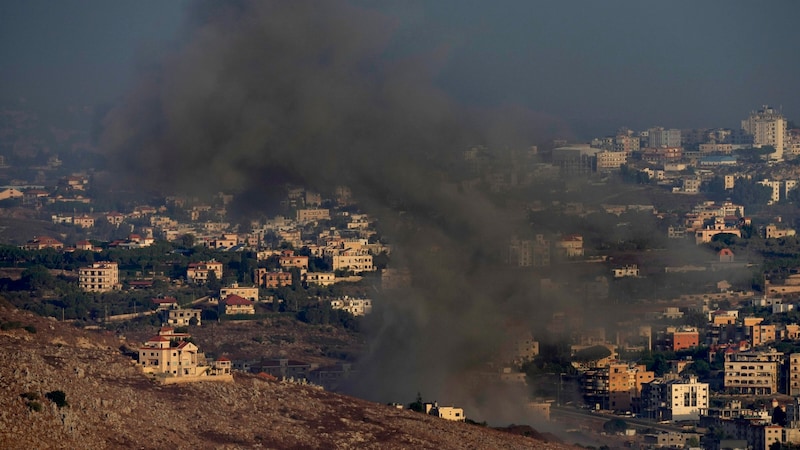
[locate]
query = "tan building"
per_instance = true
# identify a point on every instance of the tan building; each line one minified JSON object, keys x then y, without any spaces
{"x":288,"y":260}
{"x":570,"y":246}
{"x":233,"y":304}
{"x":173,"y":357}
{"x":356,"y":261}
{"x":768,"y":127}
{"x":99,"y":277}
{"x":272,"y":279}
{"x":625,"y":385}
{"x":198,"y":272}
{"x":250,"y":293}
{"x":320,"y":278}
{"x":445,"y":412}
{"x":312,"y":215}
{"x":43,"y":242}
{"x":771,"y":231}
{"x":752,"y":373}
{"x":159,"y":356}
{"x":607,"y":160}
{"x":83,"y":221}
{"x":794,"y":374}
{"x":355,"y":306}
{"x":184,"y":317}
{"x":705,"y":235}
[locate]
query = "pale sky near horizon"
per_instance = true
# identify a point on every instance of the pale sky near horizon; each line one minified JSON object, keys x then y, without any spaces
{"x":596,"y":65}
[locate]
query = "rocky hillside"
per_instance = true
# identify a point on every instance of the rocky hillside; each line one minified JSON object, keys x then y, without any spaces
{"x":64,"y":387}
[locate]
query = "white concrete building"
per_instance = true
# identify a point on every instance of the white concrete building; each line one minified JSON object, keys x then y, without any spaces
{"x":768,"y":127}
{"x":675,"y":399}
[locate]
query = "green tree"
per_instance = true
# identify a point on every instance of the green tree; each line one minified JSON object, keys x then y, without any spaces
{"x":57,"y":397}
{"x":213,"y":283}
{"x":417,"y":405}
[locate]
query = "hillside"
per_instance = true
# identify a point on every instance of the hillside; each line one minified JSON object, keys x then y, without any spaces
{"x":111,"y":404}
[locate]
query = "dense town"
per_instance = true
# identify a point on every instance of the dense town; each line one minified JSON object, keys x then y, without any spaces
{"x":670,"y":259}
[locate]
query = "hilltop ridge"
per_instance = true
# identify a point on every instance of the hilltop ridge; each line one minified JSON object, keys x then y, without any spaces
{"x":110,"y":403}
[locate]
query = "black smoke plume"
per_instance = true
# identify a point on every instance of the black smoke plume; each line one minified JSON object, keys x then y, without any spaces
{"x":258,"y":93}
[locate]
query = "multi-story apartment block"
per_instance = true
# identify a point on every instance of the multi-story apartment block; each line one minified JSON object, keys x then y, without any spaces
{"x":608,"y":160}
{"x":716,"y":148}
{"x":658,"y":137}
{"x":312,"y":215}
{"x":625,"y":385}
{"x":752,"y":373}
{"x":199,"y":272}
{"x":527,"y":253}
{"x":356,"y":261}
{"x":684,"y":338}
{"x":768,"y":127}
{"x":675,"y":399}
{"x":794,"y":375}
{"x":626,"y":143}
{"x":99,"y":277}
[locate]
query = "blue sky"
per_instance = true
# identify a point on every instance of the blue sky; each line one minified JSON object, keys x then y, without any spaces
{"x":596,"y":65}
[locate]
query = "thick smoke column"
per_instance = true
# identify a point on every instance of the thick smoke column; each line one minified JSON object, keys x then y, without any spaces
{"x":263,"y":92}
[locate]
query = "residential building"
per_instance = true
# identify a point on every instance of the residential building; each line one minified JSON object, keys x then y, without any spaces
{"x":625,"y":385}
{"x":794,"y":375}
{"x":184,"y":317}
{"x":675,"y":399}
{"x":768,"y":127}
{"x":445,"y":412}
{"x":99,"y":277}
{"x":288,"y":260}
{"x":250,"y":293}
{"x":312,"y":215}
{"x":752,"y":373}
{"x":608,"y":160}
{"x":705,"y":235}
{"x":272,"y":278}
{"x":529,"y":253}
{"x":199,"y":272}
{"x":356,"y":261}
{"x":175,"y":359}
{"x":631,"y":270}
{"x":355,"y":306}
{"x":772,"y":231}
{"x":684,"y":338}
{"x":83,"y":221}
{"x":320,"y":278}
{"x":165,"y":303}
{"x":570,"y":246}
{"x":659,"y":137}
{"x":42,"y":242}
{"x":234,"y":304}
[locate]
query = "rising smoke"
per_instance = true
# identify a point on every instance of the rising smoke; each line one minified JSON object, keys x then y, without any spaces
{"x":258,"y":93}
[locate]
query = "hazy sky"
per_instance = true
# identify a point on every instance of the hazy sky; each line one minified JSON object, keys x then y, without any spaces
{"x":597,"y":65}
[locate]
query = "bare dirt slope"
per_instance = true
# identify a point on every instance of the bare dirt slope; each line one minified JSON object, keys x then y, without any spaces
{"x":111,"y":404}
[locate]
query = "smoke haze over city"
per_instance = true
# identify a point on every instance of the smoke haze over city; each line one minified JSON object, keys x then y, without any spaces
{"x":247,"y":96}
